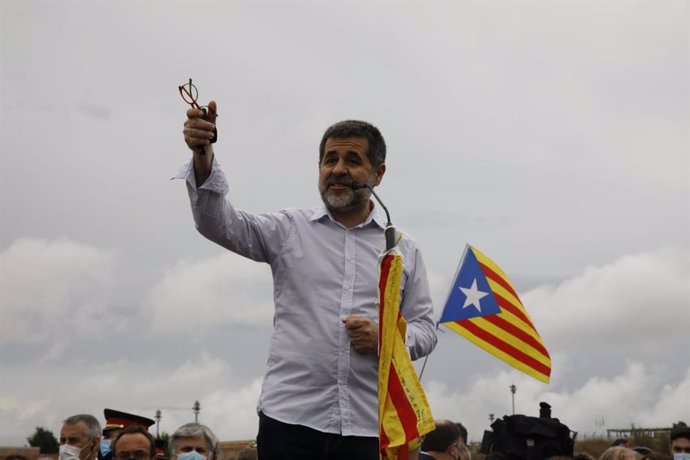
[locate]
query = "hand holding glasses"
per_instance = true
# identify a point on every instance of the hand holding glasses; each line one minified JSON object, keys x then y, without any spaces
{"x":190,"y":95}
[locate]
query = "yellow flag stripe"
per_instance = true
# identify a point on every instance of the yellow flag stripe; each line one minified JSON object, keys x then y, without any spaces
{"x":500,"y":354}
{"x":412,"y":416}
{"x":511,"y":340}
{"x":518,"y":323}
{"x":482,"y":259}
{"x":503,"y":292}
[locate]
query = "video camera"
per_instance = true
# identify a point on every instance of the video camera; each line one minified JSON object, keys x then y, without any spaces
{"x":519,"y":437}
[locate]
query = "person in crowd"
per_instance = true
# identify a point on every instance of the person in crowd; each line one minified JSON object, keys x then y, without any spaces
{"x":247,"y":454}
{"x":134,"y":443}
{"x":680,"y":442}
{"x":116,"y":421}
{"x":619,"y":453}
{"x":319,"y":396}
{"x":463,"y":432}
{"x":443,"y":443}
{"x":80,"y":438}
{"x":15,"y":457}
{"x":465,"y":453}
{"x":655,"y":456}
{"x":193,"y":441}
{"x":464,"y":449}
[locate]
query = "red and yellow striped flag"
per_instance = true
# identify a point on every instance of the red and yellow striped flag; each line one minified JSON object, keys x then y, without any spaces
{"x":404,"y":413}
{"x":484,"y":308}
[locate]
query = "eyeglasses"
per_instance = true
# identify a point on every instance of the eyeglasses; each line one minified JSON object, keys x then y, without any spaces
{"x":136,"y":455}
{"x":190,"y":95}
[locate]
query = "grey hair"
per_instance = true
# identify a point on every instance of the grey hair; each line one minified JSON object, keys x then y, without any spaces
{"x":93,"y":427}
{"x":194,"y":430}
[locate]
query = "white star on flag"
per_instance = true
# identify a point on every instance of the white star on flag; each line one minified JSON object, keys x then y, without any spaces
{"x":473,"y":295}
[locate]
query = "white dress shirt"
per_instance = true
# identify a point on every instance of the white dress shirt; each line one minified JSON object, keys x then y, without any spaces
{"x":322,"y":273}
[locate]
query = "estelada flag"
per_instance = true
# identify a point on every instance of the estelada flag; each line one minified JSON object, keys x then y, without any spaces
{"x":484,"y":308}
{"x":404,"y":413}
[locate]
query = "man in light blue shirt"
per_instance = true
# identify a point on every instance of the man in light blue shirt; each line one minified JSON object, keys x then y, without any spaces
{"x":319,"y":396}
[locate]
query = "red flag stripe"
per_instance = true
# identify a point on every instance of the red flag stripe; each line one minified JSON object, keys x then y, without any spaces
{"x":499,"y":279}
{"x":384,"y":441}
{"x":505,"y":347}
{"x":515,"y":331}
{"x":406,"y":413}
{"x":385,"y":271}
{"x":502,"y":301}
{"x":506,"y":305}
{"x":383,"y":282}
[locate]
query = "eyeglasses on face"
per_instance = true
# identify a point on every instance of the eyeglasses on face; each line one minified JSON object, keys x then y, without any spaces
{"x":136,"y":455}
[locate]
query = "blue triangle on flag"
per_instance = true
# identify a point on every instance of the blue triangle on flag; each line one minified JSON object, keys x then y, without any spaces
{"x":470,"y":296}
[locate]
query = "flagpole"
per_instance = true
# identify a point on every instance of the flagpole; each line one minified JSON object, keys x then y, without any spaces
{"x":450,"y":291}
{"x":426,"y":358}
{"x":457,"y":270}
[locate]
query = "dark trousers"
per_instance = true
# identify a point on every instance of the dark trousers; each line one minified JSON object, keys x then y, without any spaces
{"x":282,"y":441}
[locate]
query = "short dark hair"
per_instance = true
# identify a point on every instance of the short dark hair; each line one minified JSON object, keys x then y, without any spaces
{"x":16,"y":457}
{"x":439,"y":440}
{"x":463,"y":432}
{"x":135,"y":429}
{"x":681,"y":431}
{"x":357,"y":128}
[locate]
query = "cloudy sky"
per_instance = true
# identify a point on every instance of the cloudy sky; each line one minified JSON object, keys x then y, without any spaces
{"x":552,"y":135}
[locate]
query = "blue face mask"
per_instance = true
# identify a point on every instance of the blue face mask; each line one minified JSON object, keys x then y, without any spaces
{"x":193,"y":455}
{"x":105,"y":447}
{"x":681,"y":456}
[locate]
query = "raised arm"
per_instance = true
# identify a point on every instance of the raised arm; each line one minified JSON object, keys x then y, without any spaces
{"x":198,"y":133}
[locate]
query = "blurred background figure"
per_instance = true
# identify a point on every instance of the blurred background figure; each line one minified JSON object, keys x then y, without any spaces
{"x":463,"y":432}
{"x":247,"y":454}
{"x":620,"y":453}
{"x":193,"y":441}
{"x":115,"y":422}
{"x":80,"y":437}
{"x":134,"y":443}
{"x":680,"y":443}
{"x":443,"y":443}
{"x":162,"y":449}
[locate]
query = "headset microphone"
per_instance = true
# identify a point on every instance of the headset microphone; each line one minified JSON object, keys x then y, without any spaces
{"x":390,"y":230}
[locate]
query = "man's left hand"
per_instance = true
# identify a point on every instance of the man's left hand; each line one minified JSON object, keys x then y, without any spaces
{"x":363,"y":332}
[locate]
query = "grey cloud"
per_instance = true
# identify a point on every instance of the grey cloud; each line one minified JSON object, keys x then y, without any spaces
{"x":98,"y":112}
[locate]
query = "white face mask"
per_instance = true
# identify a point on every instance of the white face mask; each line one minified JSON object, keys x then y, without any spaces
{"x":681,"y":456}
{"x":193,"y":455}
{"x":68,"y":452}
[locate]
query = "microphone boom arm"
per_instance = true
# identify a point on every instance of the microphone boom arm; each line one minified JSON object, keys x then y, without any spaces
{"x":390,"y":230}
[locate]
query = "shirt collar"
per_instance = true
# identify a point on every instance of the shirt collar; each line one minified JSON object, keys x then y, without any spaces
{"x":322,"y":212}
